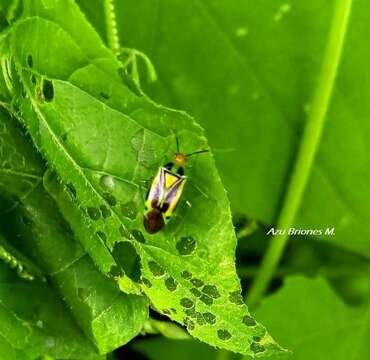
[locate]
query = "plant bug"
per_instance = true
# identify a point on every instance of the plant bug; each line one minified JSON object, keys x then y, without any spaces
{"x":165,"y":191}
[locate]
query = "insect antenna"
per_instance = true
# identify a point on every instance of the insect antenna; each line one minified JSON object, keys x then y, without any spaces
{"x":177,"y":144}
{"x":197,"y":152}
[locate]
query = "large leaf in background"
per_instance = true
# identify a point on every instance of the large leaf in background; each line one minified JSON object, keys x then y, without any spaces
{"x":319,"y":325}
{"x":247,"y":71}
{"x":102,"y":140}
{"x":34,"y":322}
{"x":179,"y":350}
{"x":108,"y":317}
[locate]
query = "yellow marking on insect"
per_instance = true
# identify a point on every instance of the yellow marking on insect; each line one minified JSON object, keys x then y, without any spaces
{"x":170,"y":179}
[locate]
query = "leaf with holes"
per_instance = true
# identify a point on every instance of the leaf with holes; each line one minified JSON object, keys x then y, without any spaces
{"x":224,"y":68}
{"x":103,"y":142}
{"x":108,"y":317}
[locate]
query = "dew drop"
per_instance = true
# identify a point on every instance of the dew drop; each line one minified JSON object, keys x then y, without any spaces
{"x":171,"y":284}
{"x":195,"y":292}
{"x":94,"y":213}
{"x":146,"y":282}
{"x":223,"y":334}
{"x":186,"y":275}
{"x":241,"y":31}
{"x":110,"y":199}
{"x":107,"y":182}
{"x":249,"y":321}
{"x":283,"y":10}
{"x":129,"y":210}
{"x":236,"y":298}
{"x":211,"y":290}
{"x":155,"y":269}
{"x":186,"y":245}
{"x":210,"y":318}
{"x":186,"y":303}
{"x":197,"y":282}
{"x":166,"y":311}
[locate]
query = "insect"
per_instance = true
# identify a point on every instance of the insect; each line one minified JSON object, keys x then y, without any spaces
{"x":165,"y":191}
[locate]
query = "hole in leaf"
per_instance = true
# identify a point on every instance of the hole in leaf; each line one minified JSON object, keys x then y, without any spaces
{"x":127,"y":258}
{"x":197,"y":282}
{"x":105,"y":211}
{"x":191,"y":312}
{"x":146,"y":282}
{"x":256,"y":348}
{"x":110,"y":199}
{"x":200,"y":319}
{"x":29,"y":60}
{"x":249,"y":321}
{"x":236,"y":298}
{"x":138,"y":235}
{"x":206,"y":299}
{"x":223,"y":334}
{"x":171,"y":284}
{"x":104,"y":96}
{"x":210,"y":318}
{"x":94,"y":213}
{"x":186,"y":245}
{"x":129,"y":210}
{"x":211,"y":290}
{"x":48,"y":90}
{"x":195,"y":292}
{"x":155,"y":269}
{"x":186,"y":275}
{"x":186,"y":303}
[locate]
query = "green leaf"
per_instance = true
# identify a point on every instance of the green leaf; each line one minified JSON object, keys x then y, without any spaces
{"x":255,"y":65}
{"x":108,"y":317}
{"x":319,"y":325}
{"x":102,"y":140}
{"x":34,"y":322}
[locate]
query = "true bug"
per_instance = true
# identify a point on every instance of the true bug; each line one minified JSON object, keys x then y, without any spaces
{"x":165,"y":191}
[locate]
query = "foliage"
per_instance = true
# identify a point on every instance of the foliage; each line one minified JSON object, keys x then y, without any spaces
{"x":80,"y":141}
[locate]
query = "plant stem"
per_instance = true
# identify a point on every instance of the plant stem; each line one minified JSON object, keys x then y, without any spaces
{"x":111,"y":26}
{"x":307,"y":149}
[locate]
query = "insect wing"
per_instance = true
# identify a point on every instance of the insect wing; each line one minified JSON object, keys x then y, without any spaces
{"x":157,"y":191}
{"x":173,"y":196}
